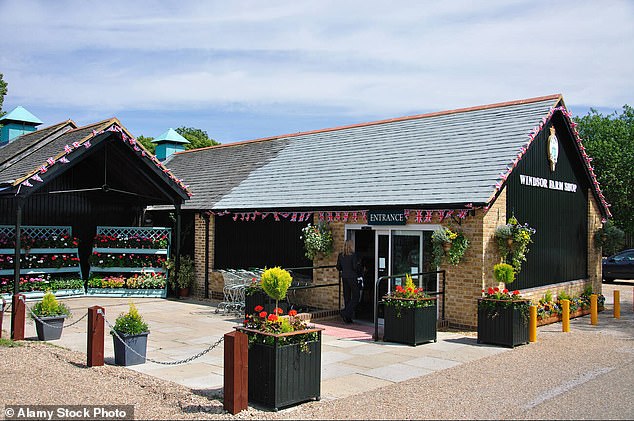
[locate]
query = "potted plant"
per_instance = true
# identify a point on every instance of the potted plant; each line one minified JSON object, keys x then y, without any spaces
{"x":410,"y":315}
{"x":513,"y":240}
{"x":129,"y":336}
{"x":504,"y":273}
{"x":254,"y":295}
{"x":448,"y":244}
{"x":49,"y":315}
{"x":502,"y":317}
{"x":183,"y":279}
{"x":284,"y":352}
{"x":317,"y":240}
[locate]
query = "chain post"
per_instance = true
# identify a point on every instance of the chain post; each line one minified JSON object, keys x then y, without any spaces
{"x":95,"y":340}
{"x":17,"y":317}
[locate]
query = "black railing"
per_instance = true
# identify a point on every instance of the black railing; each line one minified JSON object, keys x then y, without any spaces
{"x":311,"y":285}
{"x":413,"y":275}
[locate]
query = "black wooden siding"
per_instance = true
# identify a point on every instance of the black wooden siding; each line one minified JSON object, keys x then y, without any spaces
{"x":260,"y":243}
{"x":559,"y":250}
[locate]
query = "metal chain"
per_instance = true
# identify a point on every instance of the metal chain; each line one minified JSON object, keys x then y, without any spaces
{"x":183,"y":361}
{"x":35,"y":316}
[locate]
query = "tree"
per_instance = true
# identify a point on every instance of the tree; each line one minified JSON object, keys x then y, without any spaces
{"x":3,"y":92}
{"x":609,"y":140}
{"x":197,"y":138}
{"x":147,"y":143}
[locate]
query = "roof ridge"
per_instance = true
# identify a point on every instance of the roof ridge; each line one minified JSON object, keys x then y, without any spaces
{"x":556,"y":97}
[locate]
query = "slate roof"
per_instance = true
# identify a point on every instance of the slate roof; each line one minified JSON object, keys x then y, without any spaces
{"x":436,"y":159}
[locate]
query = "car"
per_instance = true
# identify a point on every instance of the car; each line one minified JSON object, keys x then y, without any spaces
{"x":619,"y":266}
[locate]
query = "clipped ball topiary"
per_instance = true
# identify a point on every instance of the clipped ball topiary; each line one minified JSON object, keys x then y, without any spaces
{"x":503,"y":272}
{"x":275,"y":282}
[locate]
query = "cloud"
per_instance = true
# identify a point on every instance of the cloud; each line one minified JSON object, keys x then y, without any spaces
{"x":355,"y":57}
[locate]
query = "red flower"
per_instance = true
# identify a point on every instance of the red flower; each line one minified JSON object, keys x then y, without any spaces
{"x":263,"y":314}
{"x":506,"y":291}
{"x":516,"y":292}
{"x":292,"y":313}
{"x":496,"y":289}
{"x":278,"y":310}
{"x":399,"y":288}
{"x":272,"y":317}
{"x":258,"y":309}
{"x":491,"y":291}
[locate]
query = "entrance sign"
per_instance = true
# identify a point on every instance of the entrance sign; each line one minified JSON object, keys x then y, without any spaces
{"x":386,"y":217}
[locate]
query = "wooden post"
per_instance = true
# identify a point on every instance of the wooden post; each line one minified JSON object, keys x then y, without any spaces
{"x":532,"y":324}
{"x":565,"y":315}
{"x":236,"y":372}
{"x":617,"y":304}
{"x":95,"y":333}
{"x":18,"y":308}
{"x":4,"y":303}
{"x":594,"y":309}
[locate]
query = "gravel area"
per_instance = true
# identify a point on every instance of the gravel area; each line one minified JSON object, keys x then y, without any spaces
{"x":519,"y":384}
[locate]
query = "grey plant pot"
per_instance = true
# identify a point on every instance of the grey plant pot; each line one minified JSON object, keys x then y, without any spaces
{"x":49,"y":328}
{"x":123,"y":355}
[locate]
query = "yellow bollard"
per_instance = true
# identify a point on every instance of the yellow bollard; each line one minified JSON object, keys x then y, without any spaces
{"x":617,"y":304}
{"x":594,"y":310}
{"x":565,"y":315}
{"x":532,"y":324}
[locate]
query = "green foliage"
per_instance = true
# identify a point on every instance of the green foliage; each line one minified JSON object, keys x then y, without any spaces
{"x":147,"y":143}
{"x":130,"y":323}
{"x":609,"y":140}
{"x":548,"y":295}
{"x":49,"y":306}
{"x":197,"y":138}
{"x":317,"y":239}
{"x":458,"y":246}
{"x":513,"y":239}
{"x":563,"y":295}
{"x":275,"y":282}
{"x":503,"y":272}
{"x":9,"y":343}
{"x":186,"y":274}
{"x":610,"y":238}
{"x":3,"y":92}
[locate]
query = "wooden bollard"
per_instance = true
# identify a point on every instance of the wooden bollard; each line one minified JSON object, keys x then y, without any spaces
{"x":18,"y":308}
{"x":594,"y":309}
{"x":94,"y":352}
{"x":236,"y":372}
{"x":565,"y":315}
{"x":4,"y":304}
{"x":532,"y":324}
{"x":617,"y":304}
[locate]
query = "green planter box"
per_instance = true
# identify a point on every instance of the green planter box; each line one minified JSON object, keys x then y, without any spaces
{"x":500,"y":324}
{"x":412,"y":326}
{"x":284,"y":375}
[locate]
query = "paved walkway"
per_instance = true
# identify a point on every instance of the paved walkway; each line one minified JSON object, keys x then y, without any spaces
{"x":351,"y":361}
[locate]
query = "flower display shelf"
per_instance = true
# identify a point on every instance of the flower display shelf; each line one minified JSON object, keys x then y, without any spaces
{"x":411,"y":326}
{"x":127,"y":242}
{"x":281,"y":375}
{"x":38,"y":295}
{"x":501,"y":322}
{"x":50,"y":241}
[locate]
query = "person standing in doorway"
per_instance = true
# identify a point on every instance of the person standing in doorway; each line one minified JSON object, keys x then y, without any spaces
{"x":347,"y":264}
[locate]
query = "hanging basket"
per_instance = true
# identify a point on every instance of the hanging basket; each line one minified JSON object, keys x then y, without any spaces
{"x":446,"y":247}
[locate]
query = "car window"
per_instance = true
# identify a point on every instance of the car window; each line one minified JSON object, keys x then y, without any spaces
{"x":627,"y":256}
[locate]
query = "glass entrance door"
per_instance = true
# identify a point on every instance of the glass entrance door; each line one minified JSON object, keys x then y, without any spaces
{"x":407,"y":249}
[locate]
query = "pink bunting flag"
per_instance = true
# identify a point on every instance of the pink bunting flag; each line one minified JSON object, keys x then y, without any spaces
{"x":51,"y":161}
{"x":43,"y":169}
{"x":87,"y":144}
{"x":419,"y":216}
{"x":76,"y":145}
{"x":37,"y":178}
{"x":428,"y":215}
{"x":26,"y":183}
{"x":63,"y":160}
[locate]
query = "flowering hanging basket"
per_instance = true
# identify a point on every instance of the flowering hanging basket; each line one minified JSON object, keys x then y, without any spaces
{"x":448,"y":245}
{"x":317,"y":240}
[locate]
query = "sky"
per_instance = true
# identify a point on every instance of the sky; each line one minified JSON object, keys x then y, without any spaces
{"x":248,"y":69}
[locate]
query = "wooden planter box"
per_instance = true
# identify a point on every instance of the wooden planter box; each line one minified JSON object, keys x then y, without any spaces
{"x":555,"y":318}
{"x":49,"y":328}
{"x":261,"y":298}
{"x":504,"y":325}
{"x":284,"y":375}
{"x":411,"y":326}
{"x":125,"y":356}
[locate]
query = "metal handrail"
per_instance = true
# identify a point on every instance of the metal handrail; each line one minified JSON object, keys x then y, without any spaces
{"x":321,"y":285}
{"x":386,"y":277}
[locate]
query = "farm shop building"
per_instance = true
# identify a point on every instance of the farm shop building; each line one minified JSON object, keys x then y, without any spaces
{"x":387,"y":185}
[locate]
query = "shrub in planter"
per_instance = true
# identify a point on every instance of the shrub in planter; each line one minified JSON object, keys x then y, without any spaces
{"x":284,"y":352}
{"x":410,"y":315}
{"x":184,"y":278}
{"x":504,"y":273}
{"x":502,"y":317}
{"x":129,"y":335}
{"x":49,"y":315}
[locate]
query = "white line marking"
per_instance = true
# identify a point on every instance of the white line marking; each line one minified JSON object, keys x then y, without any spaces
{"x":567,"y":386}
